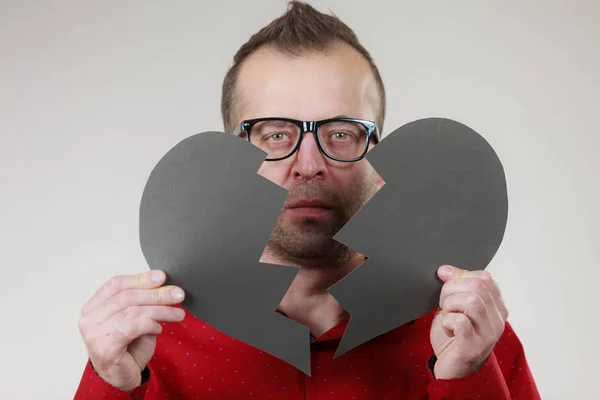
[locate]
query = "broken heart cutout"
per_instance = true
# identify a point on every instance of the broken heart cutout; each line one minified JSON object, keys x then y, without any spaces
{"x":206,"y":216}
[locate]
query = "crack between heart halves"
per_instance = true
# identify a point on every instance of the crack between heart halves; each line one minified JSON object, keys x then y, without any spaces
{"x":339,"y":281}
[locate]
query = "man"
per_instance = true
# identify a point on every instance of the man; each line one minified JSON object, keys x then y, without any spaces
{"x":304,"y":66}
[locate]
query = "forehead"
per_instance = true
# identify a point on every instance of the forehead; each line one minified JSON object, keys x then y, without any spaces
{"x":315,"y":85}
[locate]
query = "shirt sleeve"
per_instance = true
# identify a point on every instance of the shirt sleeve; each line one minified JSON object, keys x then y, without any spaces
{"x":504,"y":376}
{"x":92,"y":387}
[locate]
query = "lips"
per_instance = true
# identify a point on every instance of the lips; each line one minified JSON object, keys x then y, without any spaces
{"x":308,"y":204}
{"x":311,"y":209}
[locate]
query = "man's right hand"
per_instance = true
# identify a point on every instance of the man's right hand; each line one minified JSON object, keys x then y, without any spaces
{"x":120,"y":322}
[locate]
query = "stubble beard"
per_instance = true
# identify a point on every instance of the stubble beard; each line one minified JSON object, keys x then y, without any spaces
{"x":308,"y":242}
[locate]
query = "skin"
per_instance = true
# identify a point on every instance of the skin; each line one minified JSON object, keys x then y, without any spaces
{"x":269,"y":85}
{"x":120,"y":322}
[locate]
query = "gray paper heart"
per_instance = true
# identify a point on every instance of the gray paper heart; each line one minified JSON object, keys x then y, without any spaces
{"x":205,"y":218}
{"x":444,"y":202}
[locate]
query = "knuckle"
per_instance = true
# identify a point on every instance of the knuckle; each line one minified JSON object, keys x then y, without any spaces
{"x":116,"y":281}
{"x":159,"y":295}
{"x":83,"y":310}
{"x":92,"y":345}
{"x":443,"y":294}
{"x":132,"y":312}
{"x":89,"y":338}
{"x":486,"y":276}
{"x":140,"y":280}
{"x":125,"y":330}
{"x":82,"y":325}
{"x":451,"y":302}
{"x":445,"y":303}
{"x":152,"y":297}
{"x":496,"y":288}
{"x":475,"y":303}
{"x":162,"y":295}
{"x":119,"y":334}
{"x":125,"y":299}
{"x":461,"y":319}
{"x":94,"y":348}
{"x":473,"y":300}
{"x":477,"y":285}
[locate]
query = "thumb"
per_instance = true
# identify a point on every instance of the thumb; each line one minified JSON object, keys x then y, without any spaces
{"x":448,"y":272}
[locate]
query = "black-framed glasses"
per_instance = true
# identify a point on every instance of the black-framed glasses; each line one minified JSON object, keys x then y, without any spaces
{"x":341,"y":139}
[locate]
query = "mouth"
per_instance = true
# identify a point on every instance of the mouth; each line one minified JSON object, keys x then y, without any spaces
{"x":308,"y":204}
{"x":309,"y":209}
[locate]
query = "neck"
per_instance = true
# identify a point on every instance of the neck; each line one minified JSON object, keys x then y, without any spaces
{"x":307,"y":300}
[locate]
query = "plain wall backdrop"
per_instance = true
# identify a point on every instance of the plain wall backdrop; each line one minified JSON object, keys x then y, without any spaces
{"x":92,"y":94}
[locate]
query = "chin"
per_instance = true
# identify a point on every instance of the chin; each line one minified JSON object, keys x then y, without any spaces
{"x":311,"y":250}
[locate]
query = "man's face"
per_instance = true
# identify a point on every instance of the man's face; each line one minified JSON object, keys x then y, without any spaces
{"x":323,"y":194}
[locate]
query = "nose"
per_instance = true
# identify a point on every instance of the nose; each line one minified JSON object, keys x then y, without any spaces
{"x":309,"y":162}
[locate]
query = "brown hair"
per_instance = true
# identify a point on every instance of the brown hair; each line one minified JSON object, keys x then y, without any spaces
{"x":300,"y":29}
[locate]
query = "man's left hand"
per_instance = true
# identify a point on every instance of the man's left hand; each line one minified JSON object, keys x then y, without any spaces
{"x":469,"y":323}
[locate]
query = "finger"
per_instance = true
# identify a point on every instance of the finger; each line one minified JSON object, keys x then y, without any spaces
{"x":166,"y":295}
{"x":448,"y":273}
{"x":471,"y":305}
{"x":486,"y":277}
{"x":459,"y":324}
{"x":119,"y":283}
{"x":157,"y":313}
{"x":125,"y":333}
{"x":494,"y":289}
{"x":466,"y":285}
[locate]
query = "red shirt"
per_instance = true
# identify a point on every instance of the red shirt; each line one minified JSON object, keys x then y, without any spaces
{"x":194,"y":361}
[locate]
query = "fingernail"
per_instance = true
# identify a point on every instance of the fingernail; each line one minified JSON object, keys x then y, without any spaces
{"x":180,"y":313}
{"x":177,"y":294}
{"x":156,"y":276}
{"x":446,"y":271}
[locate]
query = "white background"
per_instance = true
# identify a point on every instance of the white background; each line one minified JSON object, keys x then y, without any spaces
{"x":92,"y":94}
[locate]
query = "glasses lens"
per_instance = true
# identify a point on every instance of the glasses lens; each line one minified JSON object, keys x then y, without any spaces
{"x":277,"y":138}
{"x":343,"y":139}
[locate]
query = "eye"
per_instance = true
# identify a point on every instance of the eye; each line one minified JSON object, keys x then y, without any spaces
{"x":276,"y":137}
{"x":340,"y":135}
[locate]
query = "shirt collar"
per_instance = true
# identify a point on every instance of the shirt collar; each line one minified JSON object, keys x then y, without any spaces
{"x":334,"y":333}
